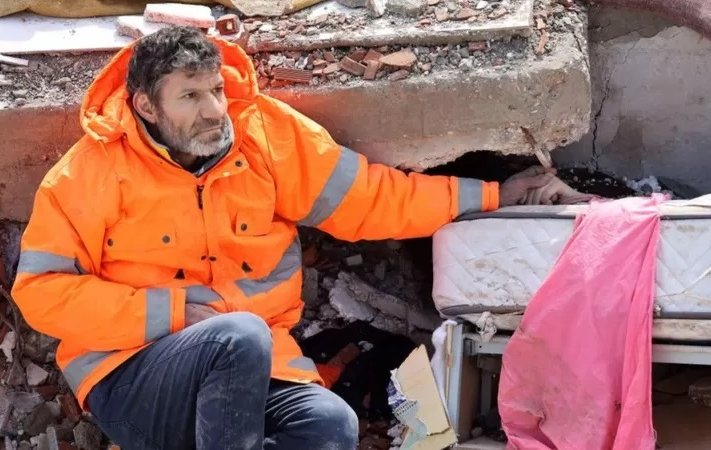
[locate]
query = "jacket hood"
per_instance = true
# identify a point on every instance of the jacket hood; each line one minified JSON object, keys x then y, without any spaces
{"x":105,"y":113}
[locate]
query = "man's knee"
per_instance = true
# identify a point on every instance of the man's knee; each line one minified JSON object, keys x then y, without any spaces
{"x":337,"y":423}
{"x":244,"y":334}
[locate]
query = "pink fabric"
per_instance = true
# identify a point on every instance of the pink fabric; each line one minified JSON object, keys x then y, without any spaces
{"x":577,"y":373}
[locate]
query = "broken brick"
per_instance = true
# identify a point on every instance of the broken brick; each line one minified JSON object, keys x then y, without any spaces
{"x":399,"y":75}
{"x":352,"y":67}
{"x":227,"y":24}
{"x":320,"y":63}
{"x":432,"y":2}
{"x":371,"y":69}
{"x":465,"y":13}
{"x":48,"y":392}
{"x":293,"y":75}
{"x":372,"y":55}
{"x":402,"y":59}
{"x":328,"y":56}
{"x":540,"y":24}
{"x":331,"y":68}
{"x":425,"y":22}
{"x":541,"y":48}
{"x":179,"y":14}
{"x":358,"y":55}
{"x":70,"y":407}
{"x":478,"y":46}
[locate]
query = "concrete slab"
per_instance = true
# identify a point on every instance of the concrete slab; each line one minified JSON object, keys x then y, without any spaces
{"x":27,"y":33}
{"x":427,"y":121}
{"x":396,"y":31}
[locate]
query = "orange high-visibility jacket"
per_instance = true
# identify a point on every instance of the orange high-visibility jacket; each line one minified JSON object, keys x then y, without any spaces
{"x":121,"y":238}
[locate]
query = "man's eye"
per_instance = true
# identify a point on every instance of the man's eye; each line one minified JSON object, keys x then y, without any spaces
{"x":189,"y":95}
{"x":218,"y":90}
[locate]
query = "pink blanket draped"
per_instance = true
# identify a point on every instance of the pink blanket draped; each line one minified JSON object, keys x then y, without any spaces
{"x":577,"y":373}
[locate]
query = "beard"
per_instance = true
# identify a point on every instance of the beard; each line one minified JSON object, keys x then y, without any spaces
{"x":196,"y":141}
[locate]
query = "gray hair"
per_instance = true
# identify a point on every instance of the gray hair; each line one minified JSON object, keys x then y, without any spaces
{"x":166,"y":51}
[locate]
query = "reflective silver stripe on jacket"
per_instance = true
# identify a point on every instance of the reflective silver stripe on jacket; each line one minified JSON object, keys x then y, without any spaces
{"x":336,"y":188}
{"x":290,"y":263}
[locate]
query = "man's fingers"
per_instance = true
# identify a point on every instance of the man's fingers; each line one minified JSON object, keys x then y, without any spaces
{"x":537,"y":181}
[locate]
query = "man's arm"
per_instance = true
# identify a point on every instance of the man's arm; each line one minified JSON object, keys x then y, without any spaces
{"x":322,"y":184}
{"x":56,"y":286}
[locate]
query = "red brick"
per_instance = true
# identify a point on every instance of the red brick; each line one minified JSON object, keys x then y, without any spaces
{"x":465,"y":14}
{"x":352,"y":67}
{"x":227,"y":24}
{"x":70,"y":407}
{"x":399,"y":75}
{"x":372,"y":55}
{"x":402,"y":59}
{"x":328,"y":56}
{"x":371,"y":69}
{"x":293,"y":75}
{"x":331,"y":68}
{"x":48,"y":392}
{"x":358,"y":55}
{"x":541,"y":48}
{"x":320,"y":63}
{"x":478,"y":46}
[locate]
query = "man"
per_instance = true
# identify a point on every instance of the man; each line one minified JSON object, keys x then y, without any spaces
{"x":162,"y":250}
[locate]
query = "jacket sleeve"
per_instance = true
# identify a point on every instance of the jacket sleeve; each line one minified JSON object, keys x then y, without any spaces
{"x":322,"y":184}
{"x":58,"y":289}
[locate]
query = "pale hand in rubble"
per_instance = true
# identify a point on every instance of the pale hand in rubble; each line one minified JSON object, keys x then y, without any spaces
{"x":198,"y":313}
{"x":516,"y":188}
{"x":555,"y":192}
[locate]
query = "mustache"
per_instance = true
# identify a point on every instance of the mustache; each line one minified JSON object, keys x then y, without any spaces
{"x":206,"y":124}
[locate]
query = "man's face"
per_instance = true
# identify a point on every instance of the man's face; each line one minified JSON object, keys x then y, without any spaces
{"x":191,"y":113}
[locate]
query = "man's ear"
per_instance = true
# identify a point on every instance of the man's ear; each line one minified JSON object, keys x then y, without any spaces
{"x":144,"y":107}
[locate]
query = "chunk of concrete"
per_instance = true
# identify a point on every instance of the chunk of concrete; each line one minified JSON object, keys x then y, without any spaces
{"x":458,"y":111}
{"x":376,"y":8}
{"x":137,"y":26}
{"x":353,"y":3}
{"x":407,"y":8}
{"x":35,"y":374}
{"x":180,"y":14}
{"x":87,"y":436}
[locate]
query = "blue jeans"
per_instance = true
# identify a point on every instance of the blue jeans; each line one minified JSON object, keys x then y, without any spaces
{"x":208,"y":387}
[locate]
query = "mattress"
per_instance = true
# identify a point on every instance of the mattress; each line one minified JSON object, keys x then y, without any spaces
{"x":496,"y":261}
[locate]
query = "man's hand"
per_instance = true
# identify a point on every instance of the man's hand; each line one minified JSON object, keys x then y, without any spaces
{"x":514,"y":190}
{"x":197,"y":313}
{"x":555,"y":192}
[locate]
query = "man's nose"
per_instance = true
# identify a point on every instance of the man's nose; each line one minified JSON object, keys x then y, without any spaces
{"x":213,"y":107}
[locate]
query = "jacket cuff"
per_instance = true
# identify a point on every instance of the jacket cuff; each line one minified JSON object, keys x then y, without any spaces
{"x":475,"y":196}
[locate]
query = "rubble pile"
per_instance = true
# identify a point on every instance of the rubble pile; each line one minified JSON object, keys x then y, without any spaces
{"x":65,"y":78}
{"x":386,"y":284}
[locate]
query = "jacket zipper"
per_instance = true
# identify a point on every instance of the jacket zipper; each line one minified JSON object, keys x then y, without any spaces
{"x":199,"y":195}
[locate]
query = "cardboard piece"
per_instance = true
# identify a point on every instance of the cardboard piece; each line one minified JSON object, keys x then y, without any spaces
{"x":416,"y":402}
